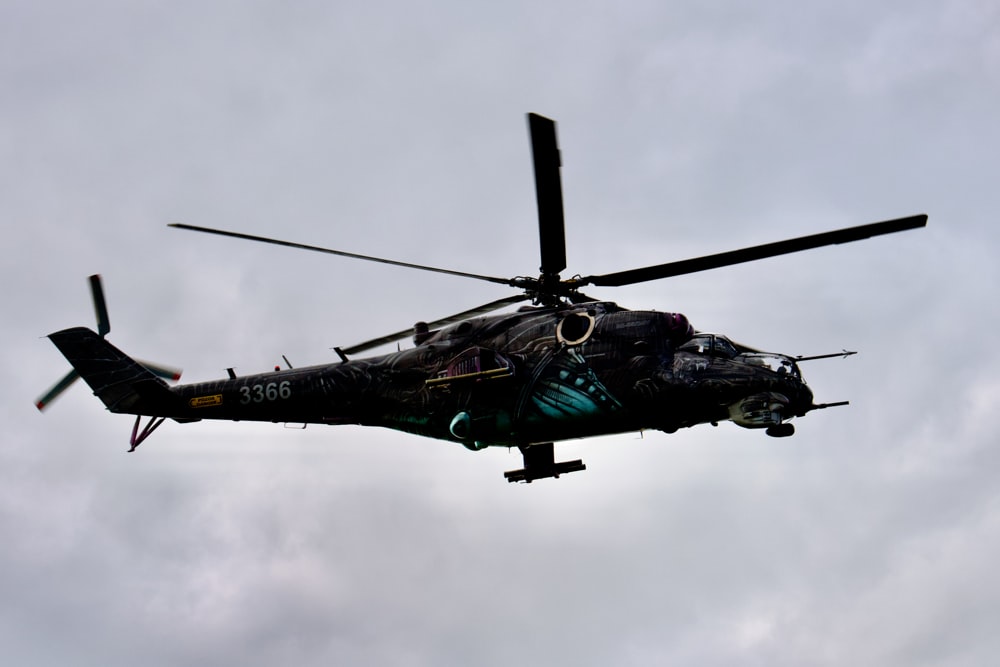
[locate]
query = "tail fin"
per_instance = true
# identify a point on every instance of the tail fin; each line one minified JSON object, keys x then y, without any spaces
{"x":123,"y":384}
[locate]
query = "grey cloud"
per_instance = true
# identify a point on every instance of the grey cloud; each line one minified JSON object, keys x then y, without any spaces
{"x":685,"y":130}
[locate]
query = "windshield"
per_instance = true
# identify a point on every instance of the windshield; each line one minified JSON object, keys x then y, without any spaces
{"x":775,"y":362}
{"x":710,"y":345}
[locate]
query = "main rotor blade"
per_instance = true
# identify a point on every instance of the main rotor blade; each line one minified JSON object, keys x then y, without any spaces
{"x":451,"y":319}
{"x":59,"y":387}
{"x":707,"y":262}
{"x":100,"y":306}
{"x":548,"y":194}
{"x":302,"y":246}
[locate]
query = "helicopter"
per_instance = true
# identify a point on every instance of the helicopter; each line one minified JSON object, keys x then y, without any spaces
{"x":565,"y":366}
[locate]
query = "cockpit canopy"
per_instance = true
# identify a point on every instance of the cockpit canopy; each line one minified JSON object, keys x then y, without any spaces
{"x":710,"y":345}
{"x":715,"y":345}
{"x":777,"y":363}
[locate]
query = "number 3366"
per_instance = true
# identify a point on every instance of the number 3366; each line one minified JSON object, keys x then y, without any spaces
{"x":272,"y":391}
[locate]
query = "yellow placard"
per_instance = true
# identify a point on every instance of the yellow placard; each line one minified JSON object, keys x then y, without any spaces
{"x":205,"y":401}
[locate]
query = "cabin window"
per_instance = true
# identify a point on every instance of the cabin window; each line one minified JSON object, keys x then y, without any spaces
{"x":774,"y":362}
{"x":723,"y":348}
{"x":711,"y":346}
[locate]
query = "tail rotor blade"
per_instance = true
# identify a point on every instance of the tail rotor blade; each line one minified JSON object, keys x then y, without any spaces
{"x":165,"y":372}
{"x":100,"y":306}
{"x":61,"y":386}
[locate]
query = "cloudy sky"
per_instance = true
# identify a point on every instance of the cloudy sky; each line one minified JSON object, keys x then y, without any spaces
{"x":397,"y":129}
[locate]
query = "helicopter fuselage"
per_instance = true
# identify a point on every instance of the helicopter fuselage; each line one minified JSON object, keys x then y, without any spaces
{"x":574,"y":367}
{"x":537,"y":375}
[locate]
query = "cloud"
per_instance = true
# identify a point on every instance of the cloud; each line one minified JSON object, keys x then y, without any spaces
{"x":398,"y":131}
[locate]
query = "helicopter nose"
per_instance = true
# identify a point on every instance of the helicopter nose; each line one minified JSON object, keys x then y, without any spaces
{"x":807,"y":395}
{"x":802,"y":398}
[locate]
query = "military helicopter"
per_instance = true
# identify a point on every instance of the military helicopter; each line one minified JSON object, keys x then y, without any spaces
{"x":567,"y":366}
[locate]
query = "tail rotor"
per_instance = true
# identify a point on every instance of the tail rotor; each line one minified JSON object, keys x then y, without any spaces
{"x":103,"y":328}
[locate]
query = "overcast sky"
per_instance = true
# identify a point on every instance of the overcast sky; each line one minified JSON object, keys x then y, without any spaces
{"x":397,"y":129}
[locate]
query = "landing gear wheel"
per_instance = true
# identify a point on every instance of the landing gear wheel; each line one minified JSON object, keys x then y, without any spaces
{"x":780,"y":430}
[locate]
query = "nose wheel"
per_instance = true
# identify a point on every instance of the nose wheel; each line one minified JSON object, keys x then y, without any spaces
{"x":781,"y":430}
